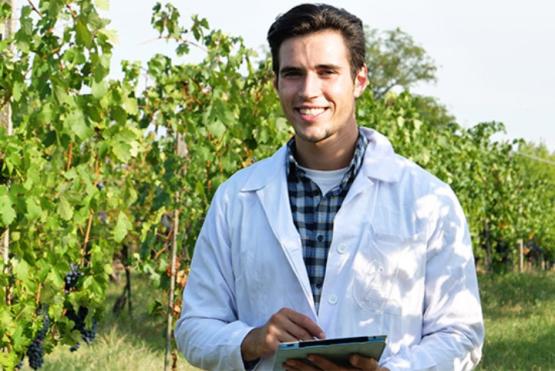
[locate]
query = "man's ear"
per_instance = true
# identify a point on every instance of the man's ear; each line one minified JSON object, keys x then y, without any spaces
{"x":361,"y":81}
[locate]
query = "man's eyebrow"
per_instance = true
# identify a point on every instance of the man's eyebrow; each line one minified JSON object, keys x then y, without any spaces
{"x":327,"y":66}
{"x":288,"y":69}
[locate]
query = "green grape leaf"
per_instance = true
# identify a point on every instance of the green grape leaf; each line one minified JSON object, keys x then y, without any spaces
{"x":7,"y":212}
{"x":64,"y":209}
{"x":21,"y":270}
{"x":34,"y":211}
{"x":130,"y":105}
{"x":122,"y":151}
{"x":99,"y":89}
{"x":8,"y":360}
{"x":76,"y":122}
{"x":17,"y":90}
{"x":84,"y":36}
{"x":102,"y":4}
{"x":216,"y":128}
{"x":122,"y":227}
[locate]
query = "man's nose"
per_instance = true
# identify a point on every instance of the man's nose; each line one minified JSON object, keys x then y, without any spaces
{"x":311,"y":86}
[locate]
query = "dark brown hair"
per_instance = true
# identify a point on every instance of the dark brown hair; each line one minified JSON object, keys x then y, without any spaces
{"x":308,"y":18}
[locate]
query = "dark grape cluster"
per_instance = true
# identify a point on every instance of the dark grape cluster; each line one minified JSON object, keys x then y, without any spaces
{"x":35,"y":352}
{"x":72,"y":277}
{"x":45,"y":326}
{"x":75,"y":347}
{"x":78,"y":318}
{"x":88,"y":335}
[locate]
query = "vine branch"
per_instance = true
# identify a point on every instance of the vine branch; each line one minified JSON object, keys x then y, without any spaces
{"x":84,"y":250}
{"x":69,"y":156}
{"x":38,"y":294}
{"x":35,"y":9}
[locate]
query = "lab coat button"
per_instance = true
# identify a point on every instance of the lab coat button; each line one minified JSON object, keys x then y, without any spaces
{"x":332,"y":299}
{"x":341,"y":248}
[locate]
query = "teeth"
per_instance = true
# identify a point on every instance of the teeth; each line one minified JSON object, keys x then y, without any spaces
{"x":311,"y":111}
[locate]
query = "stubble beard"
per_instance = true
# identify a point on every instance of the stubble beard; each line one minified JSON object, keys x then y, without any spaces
{"x":313,"y":139}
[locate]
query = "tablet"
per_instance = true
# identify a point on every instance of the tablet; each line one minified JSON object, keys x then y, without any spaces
{"x":337,"y":350}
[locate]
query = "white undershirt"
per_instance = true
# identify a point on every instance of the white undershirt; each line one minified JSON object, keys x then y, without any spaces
{"x":325,"y":179}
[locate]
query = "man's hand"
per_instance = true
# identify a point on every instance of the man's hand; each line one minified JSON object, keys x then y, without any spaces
{"x":321,"y":363}
{"x":285,"y":325}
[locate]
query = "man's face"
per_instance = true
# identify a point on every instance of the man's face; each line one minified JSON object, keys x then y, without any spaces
{"x":315,"y":85}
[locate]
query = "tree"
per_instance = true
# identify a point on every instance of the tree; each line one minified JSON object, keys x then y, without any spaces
{"x":395,"y":60}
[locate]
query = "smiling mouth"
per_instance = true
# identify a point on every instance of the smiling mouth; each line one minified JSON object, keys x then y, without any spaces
{"x":312,"y":111}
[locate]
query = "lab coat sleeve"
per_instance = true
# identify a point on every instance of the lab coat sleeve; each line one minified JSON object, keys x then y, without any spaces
{"x":452,"y":325}
{"x":209,"y":333}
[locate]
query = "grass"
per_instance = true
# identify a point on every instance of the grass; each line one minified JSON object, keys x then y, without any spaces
{"x":519,"y":311}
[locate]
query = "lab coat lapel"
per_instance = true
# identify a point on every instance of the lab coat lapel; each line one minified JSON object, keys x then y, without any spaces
{"x":274,"y":198}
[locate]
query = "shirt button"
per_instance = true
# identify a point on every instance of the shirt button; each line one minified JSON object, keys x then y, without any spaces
{"x":320,"y":238}
{"x":332,"y":299}
{"x":341,"y":248}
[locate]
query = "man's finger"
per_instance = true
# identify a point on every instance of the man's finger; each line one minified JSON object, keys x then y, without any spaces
{"x":285,"y":330}
{"x":298,"y":332}
{"x":365,"y":363}
{"x":324,"y":363}
{"x":283,"y":335}
{"x":297,"y":365}
{"x":306,"y":323}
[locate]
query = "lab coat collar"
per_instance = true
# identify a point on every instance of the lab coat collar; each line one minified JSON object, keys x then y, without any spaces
{"x":380,"y":163}
{"x":271,"y":171}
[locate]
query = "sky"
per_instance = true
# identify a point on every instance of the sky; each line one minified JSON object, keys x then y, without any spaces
{"x":495,"y":58}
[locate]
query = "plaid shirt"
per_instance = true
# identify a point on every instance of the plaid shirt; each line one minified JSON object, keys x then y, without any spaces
{"x":313,"y":213}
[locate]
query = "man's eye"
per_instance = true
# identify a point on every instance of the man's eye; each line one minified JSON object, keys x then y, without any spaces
{"x":291,"y":74}
{"x":327,"y":72}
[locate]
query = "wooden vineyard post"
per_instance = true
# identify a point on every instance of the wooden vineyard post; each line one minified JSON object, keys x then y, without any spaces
{"x":6,"y":119}
{"x":181,"y":151}
{"x":520,"y":256}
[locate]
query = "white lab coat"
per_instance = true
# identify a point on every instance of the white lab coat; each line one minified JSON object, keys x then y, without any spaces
{"x":400,"y":264}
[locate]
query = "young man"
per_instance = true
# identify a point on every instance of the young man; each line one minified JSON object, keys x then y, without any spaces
{"x":333,"y":236}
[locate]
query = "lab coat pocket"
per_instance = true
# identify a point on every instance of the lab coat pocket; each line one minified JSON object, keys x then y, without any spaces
{"x":375,"y":269}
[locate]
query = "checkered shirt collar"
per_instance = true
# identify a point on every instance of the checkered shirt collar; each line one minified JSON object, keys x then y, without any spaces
{"x":294,"y":170}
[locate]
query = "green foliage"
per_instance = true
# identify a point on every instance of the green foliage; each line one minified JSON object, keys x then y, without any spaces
{"x":67,"y":139}
{"x":536,"y":169}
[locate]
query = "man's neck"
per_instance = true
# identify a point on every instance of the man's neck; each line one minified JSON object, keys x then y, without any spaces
{"x":333,"y":153}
